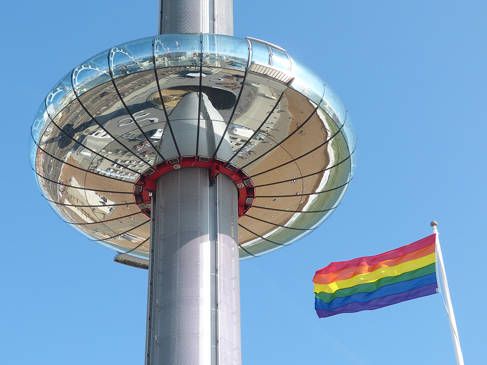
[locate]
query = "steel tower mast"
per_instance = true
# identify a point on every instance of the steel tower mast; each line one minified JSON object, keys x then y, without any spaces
{"x":194,"y":294}
{"x":196,"y":16}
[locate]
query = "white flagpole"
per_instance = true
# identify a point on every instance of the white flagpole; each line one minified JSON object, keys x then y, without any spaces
{"x":447,"y":298}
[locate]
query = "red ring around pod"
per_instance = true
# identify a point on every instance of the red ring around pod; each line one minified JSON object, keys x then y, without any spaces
{"x":146,"y":184}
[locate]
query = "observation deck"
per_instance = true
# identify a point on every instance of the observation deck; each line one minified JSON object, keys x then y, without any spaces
{"x":119,"y":118}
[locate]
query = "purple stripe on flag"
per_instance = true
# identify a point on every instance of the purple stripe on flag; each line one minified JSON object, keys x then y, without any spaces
{"x":380,"y":302}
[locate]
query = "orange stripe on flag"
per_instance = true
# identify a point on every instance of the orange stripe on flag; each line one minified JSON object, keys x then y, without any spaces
{"x":362,"y":268}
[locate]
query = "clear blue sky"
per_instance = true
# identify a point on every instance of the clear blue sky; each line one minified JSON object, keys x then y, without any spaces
{"x":413,"y":74}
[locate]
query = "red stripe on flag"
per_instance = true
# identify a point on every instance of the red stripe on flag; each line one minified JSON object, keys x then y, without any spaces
{"x":366,"y":261}
{"x":350,"y":272}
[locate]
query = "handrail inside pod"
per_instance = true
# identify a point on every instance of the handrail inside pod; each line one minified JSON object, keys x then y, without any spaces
{"x":267,"y":44}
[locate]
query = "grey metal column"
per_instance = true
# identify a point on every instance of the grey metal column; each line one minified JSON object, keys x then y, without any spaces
{"x":196,"y":16}
{"x":193,"y":314}
{"x":194,"y":293}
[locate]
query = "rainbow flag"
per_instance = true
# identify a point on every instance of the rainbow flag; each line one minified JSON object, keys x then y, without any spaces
{"x":373,"y":282}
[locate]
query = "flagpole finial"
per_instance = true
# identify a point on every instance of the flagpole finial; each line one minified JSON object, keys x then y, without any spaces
{"x":434,"y":225}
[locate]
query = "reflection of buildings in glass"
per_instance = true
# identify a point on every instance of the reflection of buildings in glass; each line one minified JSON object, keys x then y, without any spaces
{"x":74,"y":196}
{"x":100,"y":140}
{"x":259,"y":97}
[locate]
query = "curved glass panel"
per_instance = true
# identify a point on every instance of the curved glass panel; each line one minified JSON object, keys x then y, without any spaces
{"x":144,"y":107}
{"x":131,"y":57}
{"x":143,"y":101}
{"x":78,"y":150}
{"x":108,"y":111}
{"x":32,"y":153}
{"x":172,"y":50}
{"x":60,"y":96}
{"x":175,"y":84}
{"x":179,"y":75}
{"x":104,"y":229}
{"x":341,"y":155}
{"x":349,"y":133}
{"x":261,"y":53}
{"x":91,"y":73}
{"x":44,"y":164}
{"x":35,"y":157}
{"x":307,"y":82}
{"x":289,"y":117}
{"x":222,"y":88}
{"x":62,"y":214}
{"x":332,"y":104}
{"x":225,"y":60}
{"x":225,"y":51}
{"x":280,"y":60}
{"x":41,"y":120}
{"x":77,"y":135}
{"x":258,"y":114}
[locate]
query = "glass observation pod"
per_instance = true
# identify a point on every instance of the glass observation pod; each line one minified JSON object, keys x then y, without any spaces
{"x":182,"y":100}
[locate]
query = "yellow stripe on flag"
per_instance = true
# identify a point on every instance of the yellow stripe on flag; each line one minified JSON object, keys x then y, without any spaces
{"x":376,"y":275}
